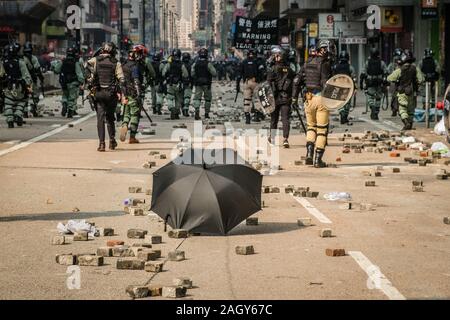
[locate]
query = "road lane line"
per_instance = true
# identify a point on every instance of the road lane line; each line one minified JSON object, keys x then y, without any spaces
{"x":45,"y":135}
{"x":392,"y":124}
{"x":312,"y":210}
{"x":376,"y":279}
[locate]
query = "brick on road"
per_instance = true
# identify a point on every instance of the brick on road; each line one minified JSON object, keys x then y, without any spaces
{"x":154,"y":266}
{"x":178,"y":233}
{"x":244,"y":250}
{"x":130,"y":264}
{"x":137,"y":292}
{"x":89,"y":260}
{"x":173,"y":292}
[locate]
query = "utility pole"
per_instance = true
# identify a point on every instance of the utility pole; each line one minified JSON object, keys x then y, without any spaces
{"x":121,"y":27}
{"x":78,"y":31}
{"x":143,"y":22}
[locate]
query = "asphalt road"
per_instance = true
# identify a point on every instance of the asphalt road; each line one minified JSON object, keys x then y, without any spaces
{"x":402,"y":244}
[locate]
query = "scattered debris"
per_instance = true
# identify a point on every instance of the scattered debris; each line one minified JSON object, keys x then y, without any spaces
{"x":105,"y":252}
{"x":136,"y":233}
{"x":113,"y":243}
{"x":335,"y":252}
{"x":89,"y":260}
{"x":251,"y":221}
{"x":137,"y":292}
{"x":325,"y":233}
{"x":81,"y":236}
{"x":174,"y":292}
{"x":447,"y":220}
{"x":176,"y":255}
{"x":178,"y":233}
{"x":58,"y":240}
{"x":153,"y":266}
{"x":304,"y":222}
{"x":245,"y":250}
{"x":134,"y":189}
{"x":130,"y":264}
{"x":370,"y":184}
{"x":183,"y":282}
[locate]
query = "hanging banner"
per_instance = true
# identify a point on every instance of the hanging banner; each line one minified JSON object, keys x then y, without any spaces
{"x":255,"y":33}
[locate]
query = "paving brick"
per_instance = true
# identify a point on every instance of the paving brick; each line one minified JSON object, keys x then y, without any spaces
{"x":173,"y":292}
{"x":154,"y":238}
{"x":447,"y":220}
{"x":184,"y":282}
{"x":162,"y":156}
{"x":176,"y":255}
{"x":147,"y":255}
{"x":137,"y":201}
{"x":153,"y":153}
{"x":91,"y":261}
{"x":299,"y":162}
{"x":104,"y":252}
{"x":112,"y":243}
{"x":325,"y":233}
{"x":126,"y":209}
{"x":245,"y":250}
{"x":370,"y":184}
{"x":422,"y":163}
{"x":274,"y":190}
{"x":134,"y":189}
{"x":81,"y":236}
{"x":417,"y":188}
{"x":377,"y":174}
{"x":148,"y":192}
{"x":396,"y":170}
{"x":58,"y":240}
{"x":266,"y":189}
{"x":106,"y":232}
{"x":154,"y":266}
{"x":65,"y":259}
{"x":339,"y":159}
{"x":346,"y":206}
{"x":137,"y":292}
{"x":442,"y":176}
{"x":135,"y":211}
{"x":394,"y":154}
{"x":155,"y":291}
{"x":304,"y":222}
{"x":335,"y":252}
{"x":417,"y":183}
{"x":251,"y":221}
{"x":178,"y":233}
{"x":120,"y":251}
{"x":136,"y":233}
{"x":130,"y":264}
{"x":142,"y":245}
{"x":289,"y":189}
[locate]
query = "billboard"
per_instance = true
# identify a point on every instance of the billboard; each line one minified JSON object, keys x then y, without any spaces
{"x":255,"y":33}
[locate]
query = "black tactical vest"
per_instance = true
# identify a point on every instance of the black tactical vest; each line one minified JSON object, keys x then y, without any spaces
{"x":250,"y":69}
{"x":374,"y":68}
{"x":188,"y":66}
{"x":202,"y":75}
{"x":30,"y":68}
{"x":128,"y":69}
{"x":106,"y":72}
{"x":408,"y":79}
{"x":175,"y":73}
{"x":313,"y":70}
{"x":12,"y":70}
{"x":429,"y":69}
{"x":342,"y":68}
{"x":68,"y":71}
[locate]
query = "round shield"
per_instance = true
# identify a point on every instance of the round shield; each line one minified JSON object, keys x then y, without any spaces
{"x":338,"y":91}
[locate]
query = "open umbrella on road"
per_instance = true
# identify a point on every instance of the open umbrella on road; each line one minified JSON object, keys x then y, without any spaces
{"x":207,"y":197}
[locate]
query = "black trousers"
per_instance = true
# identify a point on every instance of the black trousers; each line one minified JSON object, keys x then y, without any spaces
{"x":284,"y":110}
{"x":106,"y":108}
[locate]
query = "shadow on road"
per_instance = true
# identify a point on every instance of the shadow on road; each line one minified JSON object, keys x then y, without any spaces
{"x":263,"y":228}
{"x":57,"y":216}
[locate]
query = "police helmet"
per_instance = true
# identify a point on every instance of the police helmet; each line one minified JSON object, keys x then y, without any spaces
{"x":324,"y":44}
{"x":186,"y":57}
{"x":176,"y":54}
{"x":203,"y":53}
{"x":407,"y":57}
{"x":292,"y":55}
{"x":28,"y":48}
{"x":109,"y":48}
{"x":157,"y":56}
{"x":374,"y":53}
{"x":251,"y":53}
{"x":428,"y":53}
{"x":344,"y":56}
{"x":398,"y":52}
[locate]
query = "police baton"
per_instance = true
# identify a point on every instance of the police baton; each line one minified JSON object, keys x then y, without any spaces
{"x":295,"y":106}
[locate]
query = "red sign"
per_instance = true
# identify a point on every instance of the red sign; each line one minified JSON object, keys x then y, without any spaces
{"x":6,"y":29}
{"x":113,"y":10}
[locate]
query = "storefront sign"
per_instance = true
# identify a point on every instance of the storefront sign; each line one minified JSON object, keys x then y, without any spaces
{"x":392,"y":19}
{"x":256,"y":33}
{"x":326,"y":24}
{"x":349,"y":29}
{"x":354,"y":40}
{"x":429,"y":9}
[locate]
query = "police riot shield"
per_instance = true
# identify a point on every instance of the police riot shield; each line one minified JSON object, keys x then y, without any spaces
{"x":338,"y":91}
{"x":265,"y":101}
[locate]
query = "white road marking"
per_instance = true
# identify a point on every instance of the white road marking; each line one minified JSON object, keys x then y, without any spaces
{"x":13,"y":142}
{"x":312,"y":210}
{"x":378,"y":125}
{"x":45,"y":135}
{"x":392,"y":124}
{"x":376,"y":278}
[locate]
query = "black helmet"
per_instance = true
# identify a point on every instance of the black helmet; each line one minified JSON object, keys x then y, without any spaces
{"x":13,"y":50}
{"x":324,"y":44}
{"x":176,"y":53}
{"x":109,"y":48}
{"x":203,"y":53}
{"x":428,"y":53}
{"x":374,"y":53}
{"x":186,"y":57}
{"x":71,"y":52}
{"x":292,"y":55}
{"x":157,"y":57}
{"x":28,"y":48}
{"x":260,"y":51}
{"x":407,"y":57}
{"x":344,"y":56}
{"x":251,"y":52}
{"x":398,"y":52}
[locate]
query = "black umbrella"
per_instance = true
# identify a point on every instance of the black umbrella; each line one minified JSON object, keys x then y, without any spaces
{"x":203,"y":196}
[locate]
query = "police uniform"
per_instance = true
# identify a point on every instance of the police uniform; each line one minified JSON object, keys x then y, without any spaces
{"x":34,"y":69}
{"x":394,"y":65}
{"x":175,"y":74}
{"x":70,"y":77}
{"x":157,"y":85}
{"x":375,"y":71}
{"x":407,"y":77}
{"x":430,"y":70}
{"x":202,"y":72}
{"x":105,"y":74}
{"x":187,"y":84}
{"x":315,"y":73}
{"x":344,"y":67}
{"x":17,"y":80}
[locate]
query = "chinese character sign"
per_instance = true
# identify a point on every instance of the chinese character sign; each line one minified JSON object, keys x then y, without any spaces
{"x":255,"y":33}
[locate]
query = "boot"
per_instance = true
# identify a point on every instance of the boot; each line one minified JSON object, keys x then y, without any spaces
{"x":318,"y":163}
{"x":197,"y":115}
{"x":406,"y":125}
{"x":70,"y":114}
{"x":186,"y":113}
{"x":344,"y":119}
{"x":101,"y":147}
{"x":158,"y":109}
{"x":172,"y":115}
{"x":206,"y":115}
{"x":309,"y":154}
{"x":64,"y":110}
{"x":25,"y":114}
{"x":394,"y":113}
{"x":19,"y":122}
{"x":112,"y":144}
{"x":75,"y":113}
{"x":11,"y":125}
{"x":123,"y":133}
{"x":133,"y":140}
{"x":247,"y":118}
{"x":154,"y":110}
{"x":286,"y":144}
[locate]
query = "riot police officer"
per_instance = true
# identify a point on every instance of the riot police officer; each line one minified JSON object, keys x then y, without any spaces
{"x":157,"y":84}
{"x":394,"y":65}
{"x":282,"y":80}
{"x":175,"y":74}
{"x":188,"y":83}
{"x":17,"y":85}
{"x":344,"y":67}
{"x":374,"y":76}
{"x":134,"y":80}
{"x":202,"y":72}
{"x":105,"y":76}
{"x":408,"y":77}
{"x":35,"y":71}
{"x":251,"y":74}
{"x":430,"y":70}
{"x":314,"y":75}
